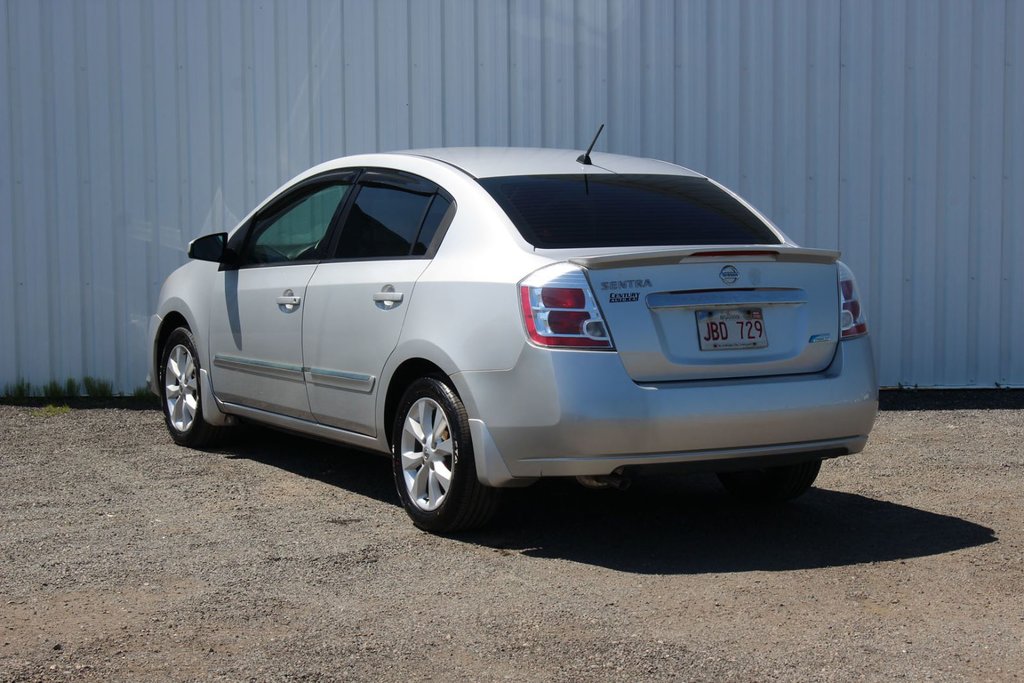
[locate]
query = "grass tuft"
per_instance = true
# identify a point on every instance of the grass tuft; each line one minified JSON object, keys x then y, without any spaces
{"x":142,"y":392}
{"x":20,"y":390}
{"x":144,"y":395}
{"x":98,"y":388}
{"x":53,"y":389}
{"x":50,"y":410}
{"x":72,"y":387}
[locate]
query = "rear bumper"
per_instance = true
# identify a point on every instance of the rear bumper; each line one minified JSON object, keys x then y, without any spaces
{"x":578,"y":413}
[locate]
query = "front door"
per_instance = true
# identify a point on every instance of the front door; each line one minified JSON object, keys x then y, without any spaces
{"x":256,"y":316}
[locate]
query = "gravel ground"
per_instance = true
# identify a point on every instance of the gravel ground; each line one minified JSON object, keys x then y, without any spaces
{"x":125,"y":557}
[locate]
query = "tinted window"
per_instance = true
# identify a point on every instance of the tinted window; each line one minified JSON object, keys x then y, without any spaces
{"x":383,"y":222}
{"x":435,"y":216}
{"x":294,"y":233}
{"x":564,"y":211}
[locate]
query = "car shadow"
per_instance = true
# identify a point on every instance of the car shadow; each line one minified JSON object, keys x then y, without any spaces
{"x":673,"y":524}
{"x":688,"y":525}
{"x":360,"y":472}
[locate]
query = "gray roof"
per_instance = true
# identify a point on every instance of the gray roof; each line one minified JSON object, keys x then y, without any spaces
{"x":489,"y":162}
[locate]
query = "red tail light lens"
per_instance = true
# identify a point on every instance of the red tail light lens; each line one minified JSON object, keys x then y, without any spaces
{"x":567,"y":322}
{"x":852,"y":322}
{"x":563,"y":297}
{"x":559,"y":310}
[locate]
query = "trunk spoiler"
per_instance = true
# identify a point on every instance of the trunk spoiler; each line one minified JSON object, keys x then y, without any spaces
{"x":758,"y":252}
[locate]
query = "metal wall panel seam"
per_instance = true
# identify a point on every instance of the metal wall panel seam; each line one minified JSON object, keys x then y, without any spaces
{"x":924,"y":140}
{"x":657,"y":120}
{"x":409,"y":75}
{"x":939,"y":347}
{"x":987,"y":165}
{"x":343,"y":78}
{"x":743,"y":81}
{"x":33,"y":272}
{"x":184,"y":182}
{"x":953,"y":189}
{"x":9,"y":347}
{"x":375,"y":75}
{"x":477,"y":72}
{"x":54,"y":276}
{"x":149,"y":144}
{"x":215,"y":88}
{"x":83,"y":191}
{"x":444,"y":76}
{"x":1014,"y":181}
{"x":130,"y":230}
{"x":118,"y":278}
{"x":908,"y":259}
{"x":1011,"y":315}
{"x":313,"y":67}
{"x":779,"y":134}
{"x":68,"y":246}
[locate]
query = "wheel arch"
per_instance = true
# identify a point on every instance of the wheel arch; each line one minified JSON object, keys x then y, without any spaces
{"x":170,"y":322}
{"x":407,"y":372}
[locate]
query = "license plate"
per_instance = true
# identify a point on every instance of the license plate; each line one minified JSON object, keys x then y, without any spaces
{"x":731,"y":328}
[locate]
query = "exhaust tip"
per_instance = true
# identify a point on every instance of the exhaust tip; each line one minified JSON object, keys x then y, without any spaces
{"x":614,"y":480}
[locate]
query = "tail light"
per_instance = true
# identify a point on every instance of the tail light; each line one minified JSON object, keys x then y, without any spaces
{"x":559,"y":310}
{"x":852,"y":322}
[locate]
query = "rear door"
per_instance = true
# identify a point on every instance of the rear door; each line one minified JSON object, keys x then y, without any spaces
{"x":356,"y":302}
{"x":256,"y":314}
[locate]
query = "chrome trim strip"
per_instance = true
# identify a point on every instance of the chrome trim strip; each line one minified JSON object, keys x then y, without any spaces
{"x":293,"y":424}
{"x":292,"y":373}
{"x":338,"y":379}
{"x":727,"y":298}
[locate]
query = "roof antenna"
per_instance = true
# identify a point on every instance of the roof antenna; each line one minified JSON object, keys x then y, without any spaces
{"x":585,"y":157}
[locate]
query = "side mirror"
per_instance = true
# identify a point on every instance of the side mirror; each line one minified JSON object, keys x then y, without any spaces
{"x":210,"y":248}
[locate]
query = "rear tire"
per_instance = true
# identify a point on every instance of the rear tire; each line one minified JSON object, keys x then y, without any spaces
{"x":433,"y":464}
{"x":772,"y":484}
{"x":181,"y":393}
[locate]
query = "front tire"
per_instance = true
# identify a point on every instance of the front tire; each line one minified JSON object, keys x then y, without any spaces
{"x":180,"y":393}
{"x":433,"y":464}
{"x":772,"y":484}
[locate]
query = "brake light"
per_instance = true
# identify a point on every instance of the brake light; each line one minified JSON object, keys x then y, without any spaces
{"x":559,"y":310}
{"x":852,"y":322}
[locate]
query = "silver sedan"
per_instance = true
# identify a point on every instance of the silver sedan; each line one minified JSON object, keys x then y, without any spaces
{"x":488,"y":317}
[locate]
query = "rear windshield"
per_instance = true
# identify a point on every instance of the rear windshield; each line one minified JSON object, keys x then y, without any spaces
{"x":607,"y":210}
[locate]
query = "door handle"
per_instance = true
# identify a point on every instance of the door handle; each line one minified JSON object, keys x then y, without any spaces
{"x":387,"y":298}
{"x":288,"y":300}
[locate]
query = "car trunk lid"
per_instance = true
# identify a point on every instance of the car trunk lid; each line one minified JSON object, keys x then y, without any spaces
{"x":718,"y":312}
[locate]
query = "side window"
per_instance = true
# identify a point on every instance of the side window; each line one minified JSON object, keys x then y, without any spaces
{"x":294,"y":233}
{"x":382,"y":223}
{"x":435,"y":216}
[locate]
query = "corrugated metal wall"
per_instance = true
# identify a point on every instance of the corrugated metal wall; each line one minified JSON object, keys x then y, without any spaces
{"x":889,"y":129}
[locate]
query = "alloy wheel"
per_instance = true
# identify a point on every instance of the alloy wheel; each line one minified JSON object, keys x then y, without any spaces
{"x":181,"y":391}
{"x":427,"y":453}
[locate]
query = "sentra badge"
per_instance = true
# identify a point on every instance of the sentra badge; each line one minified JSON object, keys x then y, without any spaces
{"x":625,"y":284}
